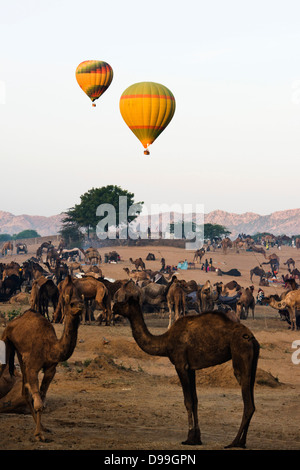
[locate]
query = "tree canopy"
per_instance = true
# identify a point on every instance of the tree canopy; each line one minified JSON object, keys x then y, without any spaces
{"x":214,"y":231}
{"x":84,"y":215}
{"x":25,"y":234}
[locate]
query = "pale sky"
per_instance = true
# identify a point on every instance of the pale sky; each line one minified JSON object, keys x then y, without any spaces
{"x":233,"y":67}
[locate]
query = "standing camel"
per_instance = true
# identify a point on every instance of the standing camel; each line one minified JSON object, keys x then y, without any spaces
{"x":196,"y":342}
{"x":38,"y":348}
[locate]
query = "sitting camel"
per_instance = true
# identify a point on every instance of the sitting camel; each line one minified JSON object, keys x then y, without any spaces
{"x":38,"y":349}
{"x":196,"y":342}
{"x":137,"y":275}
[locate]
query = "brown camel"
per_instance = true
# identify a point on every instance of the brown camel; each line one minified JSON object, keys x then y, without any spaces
{"x":226,"y":243}
{"x":92,"y":255}
{"x":196,"y":342}
{"x":175,"y":295}
{"x":38,"y":348}
{"x":90,"y":289}
{"x":258,"y":272}
{"x":43,"y":290}
{"x":138,"y":263}
{"x":245,"y":302}
{"x":8,"y":246}
{"x":199,"y":254}
{"x":206,"y":297}
{"x":290,"y":262}
{"x":290,"y":302}
{"x":137,"y":275}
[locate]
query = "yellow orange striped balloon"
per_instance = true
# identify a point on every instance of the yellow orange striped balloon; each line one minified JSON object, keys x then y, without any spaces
{"x":94,"y":77}
{"x":147,"y":108}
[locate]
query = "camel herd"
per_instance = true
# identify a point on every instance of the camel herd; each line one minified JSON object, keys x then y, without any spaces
{"x":204,"y":326}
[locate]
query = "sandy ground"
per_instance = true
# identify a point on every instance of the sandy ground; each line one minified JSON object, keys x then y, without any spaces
{"x":110,"y":395}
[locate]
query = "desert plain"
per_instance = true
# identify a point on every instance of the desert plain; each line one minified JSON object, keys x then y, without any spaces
{"x":111,"y":396}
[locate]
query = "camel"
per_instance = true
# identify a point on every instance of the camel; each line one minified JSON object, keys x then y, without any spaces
{"x":138,"y":263}
{"x":90,"y":289}
{"x":196,"y":342}
{"x":206,"y":297}
{"x":38,"y":349}
{"x":290,"y":302}
{"x":154,"y":295}
{"x":47,"y":245}
{"x":8,"y":246}
{"x":290,"y":262}
{"x":199,"y":254}
{"x":60,"y":270}
{"x":175,"y":295}
{"x":258,"y":272}
{"x":92,"y":256}
{"x":52,"y":256}
{"x":245,"y":302}
{"x":137,"y":275}
{"x":274,"y":263}
{"x":226,"y":243}
{"x":43,"y":290}
{"x":32,"y":270}
{"x":257,"y":249}
{"x":10,"y":269}
{"x":129,"y":289}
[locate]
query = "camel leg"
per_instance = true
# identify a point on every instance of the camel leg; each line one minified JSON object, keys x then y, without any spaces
{"x":244,"y":361}
{"x":170,"y":306}
{"x":31,"y":392}
{"x":187,"y":379}
{"x":47,"y":379}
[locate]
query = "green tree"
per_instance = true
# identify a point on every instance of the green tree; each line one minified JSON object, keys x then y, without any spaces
{"x":71,"y":235}
{"x":26,"y":234}
{"x":5,"y":237}
{"x":84,"y":215}
{"x":212,"y":231}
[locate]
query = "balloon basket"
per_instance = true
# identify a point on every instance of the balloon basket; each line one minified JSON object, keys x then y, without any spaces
{"x":94,"y":106}
{"x":146,"y":152}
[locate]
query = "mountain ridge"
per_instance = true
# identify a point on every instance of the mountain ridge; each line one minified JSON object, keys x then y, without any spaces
{"x":279,"y":222}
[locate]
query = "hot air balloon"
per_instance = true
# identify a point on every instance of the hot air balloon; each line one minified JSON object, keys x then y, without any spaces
{"x":147,"y":108}
{"x":94,"y":77}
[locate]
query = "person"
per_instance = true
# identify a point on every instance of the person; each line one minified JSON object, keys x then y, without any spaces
{"x":206,"y":265}
{"x":163,"y":264}
{"x":260,"y":296}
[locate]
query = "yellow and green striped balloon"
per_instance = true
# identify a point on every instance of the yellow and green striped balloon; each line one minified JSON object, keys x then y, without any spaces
{"x":94,"y":77}
{"x":147,"y":108}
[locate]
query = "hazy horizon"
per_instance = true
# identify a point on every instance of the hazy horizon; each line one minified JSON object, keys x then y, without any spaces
{"x":233,"y":143}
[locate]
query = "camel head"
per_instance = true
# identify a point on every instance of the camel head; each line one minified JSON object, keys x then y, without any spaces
{"x":73,"y":301}
{"x":126,"y":308}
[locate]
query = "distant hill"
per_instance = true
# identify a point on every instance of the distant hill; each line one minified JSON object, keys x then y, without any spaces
{"x":279,"y":223}
{"x":12,"y":224}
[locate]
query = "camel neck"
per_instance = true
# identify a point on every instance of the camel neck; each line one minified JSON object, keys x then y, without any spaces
{"x":68,"y":340}
{"x":151,"y":344}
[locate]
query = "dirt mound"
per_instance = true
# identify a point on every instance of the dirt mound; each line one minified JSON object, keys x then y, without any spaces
{"x":222,"y":376}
